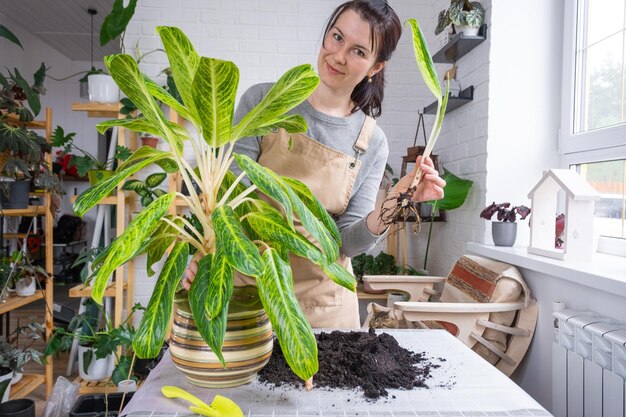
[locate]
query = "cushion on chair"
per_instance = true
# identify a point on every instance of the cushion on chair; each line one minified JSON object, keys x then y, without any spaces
{"x":481,"y":280}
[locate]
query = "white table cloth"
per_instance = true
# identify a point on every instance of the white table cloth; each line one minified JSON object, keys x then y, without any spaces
{"x":464,"y":385}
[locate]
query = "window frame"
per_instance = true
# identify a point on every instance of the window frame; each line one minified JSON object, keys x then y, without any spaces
{"x":597,"y":145}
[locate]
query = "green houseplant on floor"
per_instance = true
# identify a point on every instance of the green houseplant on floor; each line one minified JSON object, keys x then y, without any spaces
{"x":228,"y":224}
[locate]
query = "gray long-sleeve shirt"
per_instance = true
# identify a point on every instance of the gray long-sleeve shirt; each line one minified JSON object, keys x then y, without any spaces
{"x":339,"y":133}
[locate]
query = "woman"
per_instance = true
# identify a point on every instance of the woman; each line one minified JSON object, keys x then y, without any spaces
{"x":343,"y":154}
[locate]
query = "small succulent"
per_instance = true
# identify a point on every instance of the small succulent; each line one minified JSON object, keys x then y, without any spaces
{"x":506,"y":213}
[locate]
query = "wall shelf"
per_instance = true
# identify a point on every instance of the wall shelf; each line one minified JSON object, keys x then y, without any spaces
{"x":465,"y":96}
{"x":459,"y":45}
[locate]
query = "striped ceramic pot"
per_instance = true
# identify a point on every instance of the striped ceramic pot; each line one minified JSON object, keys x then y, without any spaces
{"x":247,"y":344}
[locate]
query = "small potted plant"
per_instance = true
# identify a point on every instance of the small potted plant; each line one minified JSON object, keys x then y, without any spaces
{"x":464,"y":16}
{"x":504,"y":231}
{"x":87,"y":164}
{"x":97,"y":351}
{"x":13,"y":357}
{"x":25,"y":275}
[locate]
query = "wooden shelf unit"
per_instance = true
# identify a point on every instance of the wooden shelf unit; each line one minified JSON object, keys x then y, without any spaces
{"x":31,"y":382}
{"x":123,"y":283}
{"x":26,"y":385}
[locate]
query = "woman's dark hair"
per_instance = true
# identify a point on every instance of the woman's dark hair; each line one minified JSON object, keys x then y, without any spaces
{"x":385,"y":32}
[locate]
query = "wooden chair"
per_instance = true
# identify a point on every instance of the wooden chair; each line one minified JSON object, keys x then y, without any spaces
{"x":485,"y":303}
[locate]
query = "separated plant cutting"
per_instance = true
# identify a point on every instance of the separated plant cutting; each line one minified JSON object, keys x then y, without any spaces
{"x":404,"y":207}
{"x":87,"y":161}
{"x":460,"y":14}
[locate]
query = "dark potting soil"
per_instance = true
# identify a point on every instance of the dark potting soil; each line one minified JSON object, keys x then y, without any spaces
{"x":353,"y":360}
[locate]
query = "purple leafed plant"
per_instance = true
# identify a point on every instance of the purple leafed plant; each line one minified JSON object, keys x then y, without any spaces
{"x":506,"y":213}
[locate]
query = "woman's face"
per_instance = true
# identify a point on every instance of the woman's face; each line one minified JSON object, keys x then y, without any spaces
{"x":347,"y":54}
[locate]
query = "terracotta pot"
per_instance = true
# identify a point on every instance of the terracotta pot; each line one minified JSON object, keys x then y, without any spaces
{"x":247,"y":345}
{"x":149,"y":141}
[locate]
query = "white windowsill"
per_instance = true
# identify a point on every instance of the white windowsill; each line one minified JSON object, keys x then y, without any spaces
{"x":603,"y":272}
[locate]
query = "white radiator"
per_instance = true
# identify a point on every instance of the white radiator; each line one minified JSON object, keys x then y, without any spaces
{"x":588,"y":365}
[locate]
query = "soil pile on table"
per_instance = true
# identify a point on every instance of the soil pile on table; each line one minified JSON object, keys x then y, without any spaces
{"x":352,"y":360}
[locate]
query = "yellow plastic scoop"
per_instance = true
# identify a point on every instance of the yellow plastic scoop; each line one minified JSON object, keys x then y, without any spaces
{"x":220,"y":407}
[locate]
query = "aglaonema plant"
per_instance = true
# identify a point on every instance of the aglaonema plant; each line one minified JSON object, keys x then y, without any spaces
{"x":227,"y":224}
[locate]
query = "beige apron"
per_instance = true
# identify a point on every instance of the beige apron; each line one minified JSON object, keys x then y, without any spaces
{"x":330,"y":175}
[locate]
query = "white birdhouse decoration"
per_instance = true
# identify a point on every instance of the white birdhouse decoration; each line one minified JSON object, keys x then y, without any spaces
{"x":579,"y":209}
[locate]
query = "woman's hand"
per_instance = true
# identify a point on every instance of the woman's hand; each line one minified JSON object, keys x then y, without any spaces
{"x":191,"y":271}
{"x":430,"y":186}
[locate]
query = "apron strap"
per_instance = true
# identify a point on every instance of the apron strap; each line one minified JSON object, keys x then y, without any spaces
{"x":363,"y":140}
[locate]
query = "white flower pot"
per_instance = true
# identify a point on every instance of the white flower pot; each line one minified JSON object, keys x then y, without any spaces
{"x":469,"y":31}
{"x":102,"y":89}
{"x":98,"y":369}
{"x":4,"y":377}
{"x":17,"y":377}
{"x":26,"y":287}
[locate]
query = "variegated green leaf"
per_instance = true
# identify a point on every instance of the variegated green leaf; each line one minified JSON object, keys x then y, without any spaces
{"x":136,"y":125}
{"x":424,"y":59}
{"x":289,"y":91}
{"x":154,"y":180}
{"x":125,"y":246}
{"x":315,"y":206}
{"x":162,"y":95}
{"x":265,"y":181}
{"x":93,"y":195}
{"x":329,"y":246}
{"x":220,"y":285}
{"x":272,"y":227}
{"x":184,"y":61}
{"x":293,"y":330}
{"x":242,"y":254}
{"x":340,"y":275}
{"x":142,"y":153}
{"x":292,"y":123}
{"x":150,"y":335}
{"x":124,"y":70}
{"x":168,"y":165}
{"x":161,"y":239}
{"x":218,"y":81}
{"x":211,"y":330}
{"x":133,"y":185}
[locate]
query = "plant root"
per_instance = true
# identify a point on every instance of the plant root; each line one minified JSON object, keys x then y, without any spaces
{"x":401,"y":210}
{"x":308,"y":384}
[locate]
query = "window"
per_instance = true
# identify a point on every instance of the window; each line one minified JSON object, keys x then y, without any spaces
{"x":593,"y":118}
